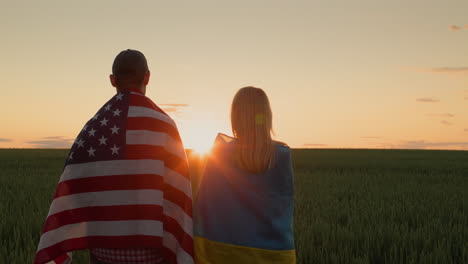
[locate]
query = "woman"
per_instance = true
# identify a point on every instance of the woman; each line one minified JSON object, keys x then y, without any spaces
{"x":244,"y":209}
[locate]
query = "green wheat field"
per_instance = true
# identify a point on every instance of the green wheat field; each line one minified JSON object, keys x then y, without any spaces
{"x":352,"y":206}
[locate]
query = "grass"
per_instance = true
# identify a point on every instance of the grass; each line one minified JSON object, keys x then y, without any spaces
{"x":352,"y":206}
{"x":381,"y":206}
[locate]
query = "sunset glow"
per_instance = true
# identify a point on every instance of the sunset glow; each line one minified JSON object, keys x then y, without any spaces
{"x":339,"y":74}
{"x":198,"y":134}
{"x":201,"y":149}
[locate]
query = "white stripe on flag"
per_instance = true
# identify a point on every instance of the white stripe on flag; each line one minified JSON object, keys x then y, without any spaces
{"x":146,"y":137}
{"x":170,"y":242}
{"x":105,"y":198}
{"x":178,"y":181}
{"x":140,"y":111}
{"x":101,"y":228}
{"x":178,"y":214}
{"x":112,"y":167}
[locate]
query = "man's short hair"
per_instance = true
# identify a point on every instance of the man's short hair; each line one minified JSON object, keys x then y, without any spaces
{"x":129,"y":68}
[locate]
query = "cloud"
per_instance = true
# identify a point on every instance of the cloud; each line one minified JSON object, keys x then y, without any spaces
{"x":55,"y":137}
{"x":449,"y":69}
{"x":5,"y":140}
{"x":455,"y":28}
{"x":442,"y":115}
{"x":314,"y":145}
{"x":52,"y":142}
{"x":422,"y":144}
{"x":175,"y":105}
{"x":370,"y":137}
{"x":427,"y":100}
{"x":445,"y":122}
{"x":173,"y":108}
{"x":386,"y":145}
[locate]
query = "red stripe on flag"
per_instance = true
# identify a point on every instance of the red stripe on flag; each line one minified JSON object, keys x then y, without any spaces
{"x":104,"y":213}
{"x":179,"y":198}
{"x":61,"y":259}
{"x":169,"y":256}
{"x":137,"y":241}
{"x":171,"y":161}
{"x":109,"y":183}
{"x":185,"y":240}
{"x":153,"y":124}
{"x":143,"y":101}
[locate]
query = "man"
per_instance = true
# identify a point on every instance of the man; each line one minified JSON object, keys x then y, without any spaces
{"x":125,"y":191}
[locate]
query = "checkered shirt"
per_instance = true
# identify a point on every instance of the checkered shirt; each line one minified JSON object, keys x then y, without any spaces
{"x":128,"y":256}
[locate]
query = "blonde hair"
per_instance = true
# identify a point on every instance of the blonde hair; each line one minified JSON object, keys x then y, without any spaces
{"x":251,"y":121}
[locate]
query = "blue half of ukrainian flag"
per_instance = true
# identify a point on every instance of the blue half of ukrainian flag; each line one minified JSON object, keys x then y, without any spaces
{"x":242,"y":217}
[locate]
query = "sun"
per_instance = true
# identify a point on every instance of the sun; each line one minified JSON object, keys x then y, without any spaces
{"x":201,"y":148}
{"x":198,"y":135}
{"x":200,"y":140}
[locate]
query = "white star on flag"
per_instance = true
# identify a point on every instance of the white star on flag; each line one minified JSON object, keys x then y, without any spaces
{"x":95,"y":117}
{"x":80,"y":142}
{"x":91,"y":151}
{"x":102,"y":140}
{"x":115,"y":129}
{"x":115,"y":150}
{"x":91,"y":132}
{"x":104,"y":122}
{"x":117,"y":112}
{"x":108,"y":107}
{"x":85,"y":127}
{"x":71,"y":155}
{"x":119,"y":96}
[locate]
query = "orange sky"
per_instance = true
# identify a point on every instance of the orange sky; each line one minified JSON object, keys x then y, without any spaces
{"x":340,"y":74}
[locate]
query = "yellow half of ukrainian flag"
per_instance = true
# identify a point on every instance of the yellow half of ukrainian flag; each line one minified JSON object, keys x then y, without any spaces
{"x":210,"y":252}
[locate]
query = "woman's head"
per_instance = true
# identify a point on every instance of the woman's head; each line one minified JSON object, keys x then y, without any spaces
{"x":251,"y":121}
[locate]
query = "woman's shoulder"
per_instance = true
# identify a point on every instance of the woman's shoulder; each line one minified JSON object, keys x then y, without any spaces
{"x":223,"y":145}
{"x":281,"y":147}
{"x":223,"y":138}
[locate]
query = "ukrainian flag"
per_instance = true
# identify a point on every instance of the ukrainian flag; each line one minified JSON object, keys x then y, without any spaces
{"x":242,"y":217}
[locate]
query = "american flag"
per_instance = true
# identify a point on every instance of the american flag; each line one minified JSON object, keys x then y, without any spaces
{"x":125,"y":184}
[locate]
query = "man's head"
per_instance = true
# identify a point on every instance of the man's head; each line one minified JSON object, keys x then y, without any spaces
{"x":130,"y":71}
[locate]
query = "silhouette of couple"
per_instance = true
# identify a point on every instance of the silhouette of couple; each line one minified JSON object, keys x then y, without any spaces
{"x":125,"y":192}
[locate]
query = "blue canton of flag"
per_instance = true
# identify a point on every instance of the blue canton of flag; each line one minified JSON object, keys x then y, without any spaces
{"x":103,"y":136}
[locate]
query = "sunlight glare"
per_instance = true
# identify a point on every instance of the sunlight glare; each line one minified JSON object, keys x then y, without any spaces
{"x":201,"y":148}
{"x":199,"y":135}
